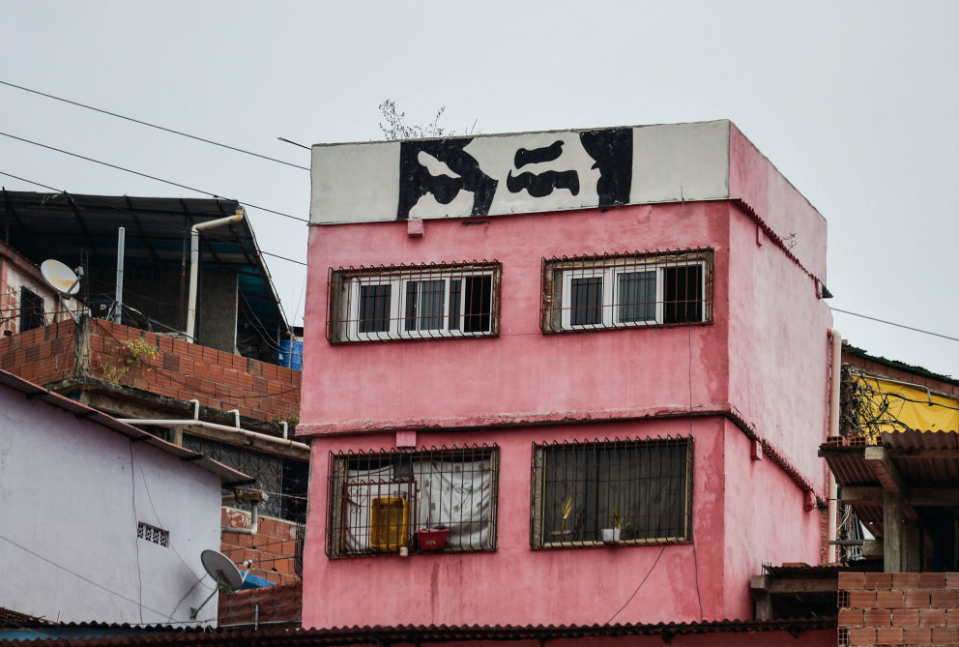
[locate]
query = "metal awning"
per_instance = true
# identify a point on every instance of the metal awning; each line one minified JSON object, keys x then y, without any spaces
{"x":62,"y":225}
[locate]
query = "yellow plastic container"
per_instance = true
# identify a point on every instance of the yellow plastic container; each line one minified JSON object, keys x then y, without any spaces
{"x":388,"y":524}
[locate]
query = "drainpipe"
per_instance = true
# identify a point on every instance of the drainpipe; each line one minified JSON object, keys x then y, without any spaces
{"x":195,"y":262}
{"x":196,"y":422}
{"x":833,"y":431}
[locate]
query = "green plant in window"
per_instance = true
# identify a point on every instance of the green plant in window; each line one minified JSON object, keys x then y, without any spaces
{"x":565,"y":510}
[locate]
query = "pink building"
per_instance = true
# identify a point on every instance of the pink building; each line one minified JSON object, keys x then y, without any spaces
{"x":567,"y":378}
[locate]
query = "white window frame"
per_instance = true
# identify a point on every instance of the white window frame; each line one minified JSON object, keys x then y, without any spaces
{"x":611,"y":301}
{"x":558,"y":316}
{"x":399,"y":280}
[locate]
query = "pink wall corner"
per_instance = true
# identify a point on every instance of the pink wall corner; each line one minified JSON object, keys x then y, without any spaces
{"x":558,"y":586}
{"x":765,"y":521}
{"x":754,"y":179}
{"x":446,"y":383}
{"x":778,"y":348}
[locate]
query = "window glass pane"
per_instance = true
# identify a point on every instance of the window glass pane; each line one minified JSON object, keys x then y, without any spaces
{"x":643,"y":483}
{"x":479,"y":302}
{"x":636,"y":296}
{"x":586,"y":302}
{"x":456,"y":289}
{"x":683,"y":294}
{"x":424,"y":304}
{"x":374,"y":308}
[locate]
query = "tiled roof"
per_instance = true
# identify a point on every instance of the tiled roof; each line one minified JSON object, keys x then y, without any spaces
{"x":292,"y":637}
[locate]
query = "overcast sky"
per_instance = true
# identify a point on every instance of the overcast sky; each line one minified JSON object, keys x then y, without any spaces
{"x":854,"y":102}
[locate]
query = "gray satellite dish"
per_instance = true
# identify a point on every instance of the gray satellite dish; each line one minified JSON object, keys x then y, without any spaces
{"x":222,"y":569}
{"x":60,"y":277}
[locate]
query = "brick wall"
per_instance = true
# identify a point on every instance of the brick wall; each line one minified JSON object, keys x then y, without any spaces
{"x":271,"y":549}
{"x":276,"y":604}
{"x":42,"y":355}
{"x":898,"y":609}
{"x":185,"y":371}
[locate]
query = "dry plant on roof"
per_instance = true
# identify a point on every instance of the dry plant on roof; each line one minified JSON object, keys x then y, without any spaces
{"x":864,"y":410}
{"x":123,"y":358}
{"x":394,"y":124}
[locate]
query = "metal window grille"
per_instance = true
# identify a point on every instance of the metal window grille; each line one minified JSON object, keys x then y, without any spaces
{"x":153,"y":534}
{"x":627,"y":290}
{"x":414,"y":302}
{"x":437,"y":499}
{"x":612,"y":491}
{"x":31,"y":310}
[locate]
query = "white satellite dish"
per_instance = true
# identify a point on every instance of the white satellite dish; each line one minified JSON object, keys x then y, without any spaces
{"x":60,"y":277}
{"x":222,"y":569}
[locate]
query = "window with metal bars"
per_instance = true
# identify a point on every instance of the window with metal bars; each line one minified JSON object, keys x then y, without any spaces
{"x":153,"y":534}
{"x":423,"y":501}
{"x":621,"y":291}
{"x":414,"y":302}
{"x":612,"y":491}
{"x":31,"y":310}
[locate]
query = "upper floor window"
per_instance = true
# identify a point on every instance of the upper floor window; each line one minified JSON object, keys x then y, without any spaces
{"x":414,"y":302}
{"x":417,"y":501}
{"x":620,"y":291}
{"x":31,"y":310}
{"x":614,"y":491}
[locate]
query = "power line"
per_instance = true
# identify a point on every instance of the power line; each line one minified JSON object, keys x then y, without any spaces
{"x":151,"y":177}
{"x":891,"y":323}
{"x":139,"y":215}
{"x":148,"y":124}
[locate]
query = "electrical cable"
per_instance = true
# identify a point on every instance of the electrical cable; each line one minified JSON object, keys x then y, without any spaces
{"x":648,"y":573}
{"x":158,"y":127}
{"x":78,"y":576}
{"x":148,"y":176}
{"x":890,"y":323}
{"x":136,"y":540}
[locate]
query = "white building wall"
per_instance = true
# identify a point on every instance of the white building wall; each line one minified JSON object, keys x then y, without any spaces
{"x":71,"y":495}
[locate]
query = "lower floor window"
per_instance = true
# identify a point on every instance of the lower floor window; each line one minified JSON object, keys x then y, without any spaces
{"x":422,"y":501}
{"x":614,"y":491}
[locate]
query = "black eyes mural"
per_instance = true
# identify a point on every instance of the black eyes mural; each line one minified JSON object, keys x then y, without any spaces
{"x":611,"y":151}
{"x":416,"y":180}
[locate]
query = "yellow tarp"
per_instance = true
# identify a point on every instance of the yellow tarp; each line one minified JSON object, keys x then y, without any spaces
{"x":896,"y":407}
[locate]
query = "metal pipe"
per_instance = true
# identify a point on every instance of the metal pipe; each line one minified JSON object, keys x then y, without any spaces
{"x":121,"y":247}
{"x":831,"y":504}
{"x":196,"y":422}
{"x":195,"y":262}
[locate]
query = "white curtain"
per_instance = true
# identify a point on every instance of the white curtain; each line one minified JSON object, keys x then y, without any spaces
{"x":455,"y":495}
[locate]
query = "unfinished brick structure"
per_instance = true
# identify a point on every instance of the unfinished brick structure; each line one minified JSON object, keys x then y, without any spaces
{"x":272,"y":549}
{"x":898,"y":609}
{"x":91,"y":357}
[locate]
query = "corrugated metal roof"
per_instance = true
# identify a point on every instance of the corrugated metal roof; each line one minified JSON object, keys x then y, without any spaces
{"x":285,"y":636}
{"x":61,"y":225}
{"x":33,"y":391}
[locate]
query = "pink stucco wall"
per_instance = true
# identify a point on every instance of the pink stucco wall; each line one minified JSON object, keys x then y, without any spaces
{"x":754,"y":179}
{"x":517,"y":585}
{"x":762,"y":361}
{"x":765,"y":521}
{"x":523,"y":375}
{"x":778,"y":348}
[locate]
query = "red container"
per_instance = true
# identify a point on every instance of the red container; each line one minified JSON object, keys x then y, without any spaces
{"x":432,"y":539}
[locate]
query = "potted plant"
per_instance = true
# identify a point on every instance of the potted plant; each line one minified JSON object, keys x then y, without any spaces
{"x":565,"y":511}
{"x":612,"y":535}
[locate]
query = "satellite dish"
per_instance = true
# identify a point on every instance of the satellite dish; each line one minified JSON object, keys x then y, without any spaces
{"x":222,"y":569}
{"x":60,"y":277}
